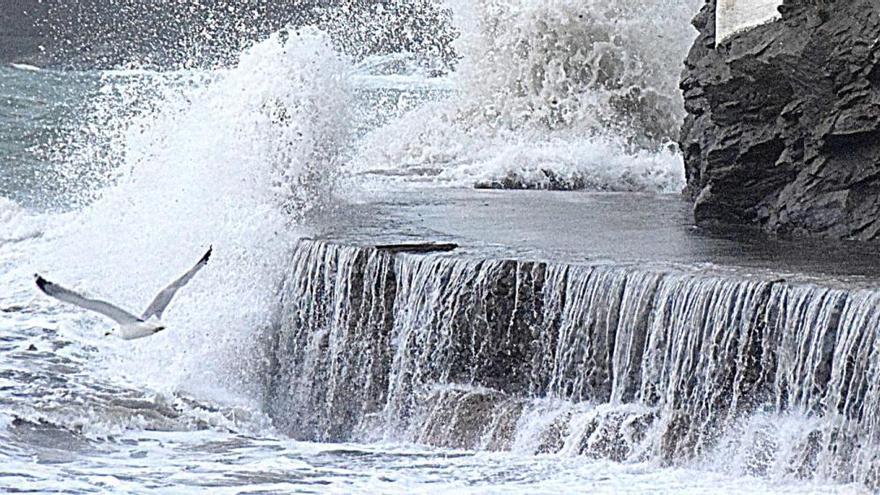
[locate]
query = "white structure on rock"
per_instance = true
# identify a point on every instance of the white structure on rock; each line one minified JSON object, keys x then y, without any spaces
{"x":732,"y":16}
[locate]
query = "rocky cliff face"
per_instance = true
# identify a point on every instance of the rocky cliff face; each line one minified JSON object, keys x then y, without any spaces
{"x":783,"y":126}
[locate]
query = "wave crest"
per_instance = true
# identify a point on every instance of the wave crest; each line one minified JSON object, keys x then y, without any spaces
{"x":232,"y":158}
{"x":595,"y":82}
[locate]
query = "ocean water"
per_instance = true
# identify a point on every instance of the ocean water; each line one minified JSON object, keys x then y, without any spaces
{"x":114,"y":182}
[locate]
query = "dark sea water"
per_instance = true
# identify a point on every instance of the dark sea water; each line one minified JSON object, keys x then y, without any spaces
{"x":39,"y":107}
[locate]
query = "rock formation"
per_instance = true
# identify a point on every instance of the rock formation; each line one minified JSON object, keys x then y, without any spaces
{"x":783,"y":126}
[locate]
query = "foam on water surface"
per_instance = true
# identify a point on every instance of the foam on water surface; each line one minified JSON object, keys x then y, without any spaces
{"x":26,"y":67}
{"x":195,"y":462}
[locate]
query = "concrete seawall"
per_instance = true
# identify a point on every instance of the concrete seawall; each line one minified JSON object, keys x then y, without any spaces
{"x":510,"y":340}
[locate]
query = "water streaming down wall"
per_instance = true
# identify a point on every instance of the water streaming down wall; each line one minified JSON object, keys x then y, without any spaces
{"x":617,"y":362}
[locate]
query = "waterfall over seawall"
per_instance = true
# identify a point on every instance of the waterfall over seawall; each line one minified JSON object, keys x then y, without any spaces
{"x":776,"y":378}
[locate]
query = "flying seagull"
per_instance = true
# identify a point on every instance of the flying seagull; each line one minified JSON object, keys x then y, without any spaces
{"x":130,"y":326}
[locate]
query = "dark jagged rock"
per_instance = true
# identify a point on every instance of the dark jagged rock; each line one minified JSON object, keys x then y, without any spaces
{"x":420,"y":247}
{"x":783,"y":131}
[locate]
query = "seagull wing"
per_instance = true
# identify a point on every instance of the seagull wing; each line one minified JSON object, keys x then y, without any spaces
{"x":116,"y":314}
{"x":157,"y":307}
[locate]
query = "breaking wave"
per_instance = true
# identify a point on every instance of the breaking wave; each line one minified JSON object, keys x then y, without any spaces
{"x":178,"y":161}
{"x":562,"y":94}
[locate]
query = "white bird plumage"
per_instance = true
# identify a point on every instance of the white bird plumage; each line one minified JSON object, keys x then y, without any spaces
{"x":130,"y":326}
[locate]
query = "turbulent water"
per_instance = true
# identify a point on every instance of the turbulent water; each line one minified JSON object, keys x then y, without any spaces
{"x":562,"y":94}
{"x":300,"y":366}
